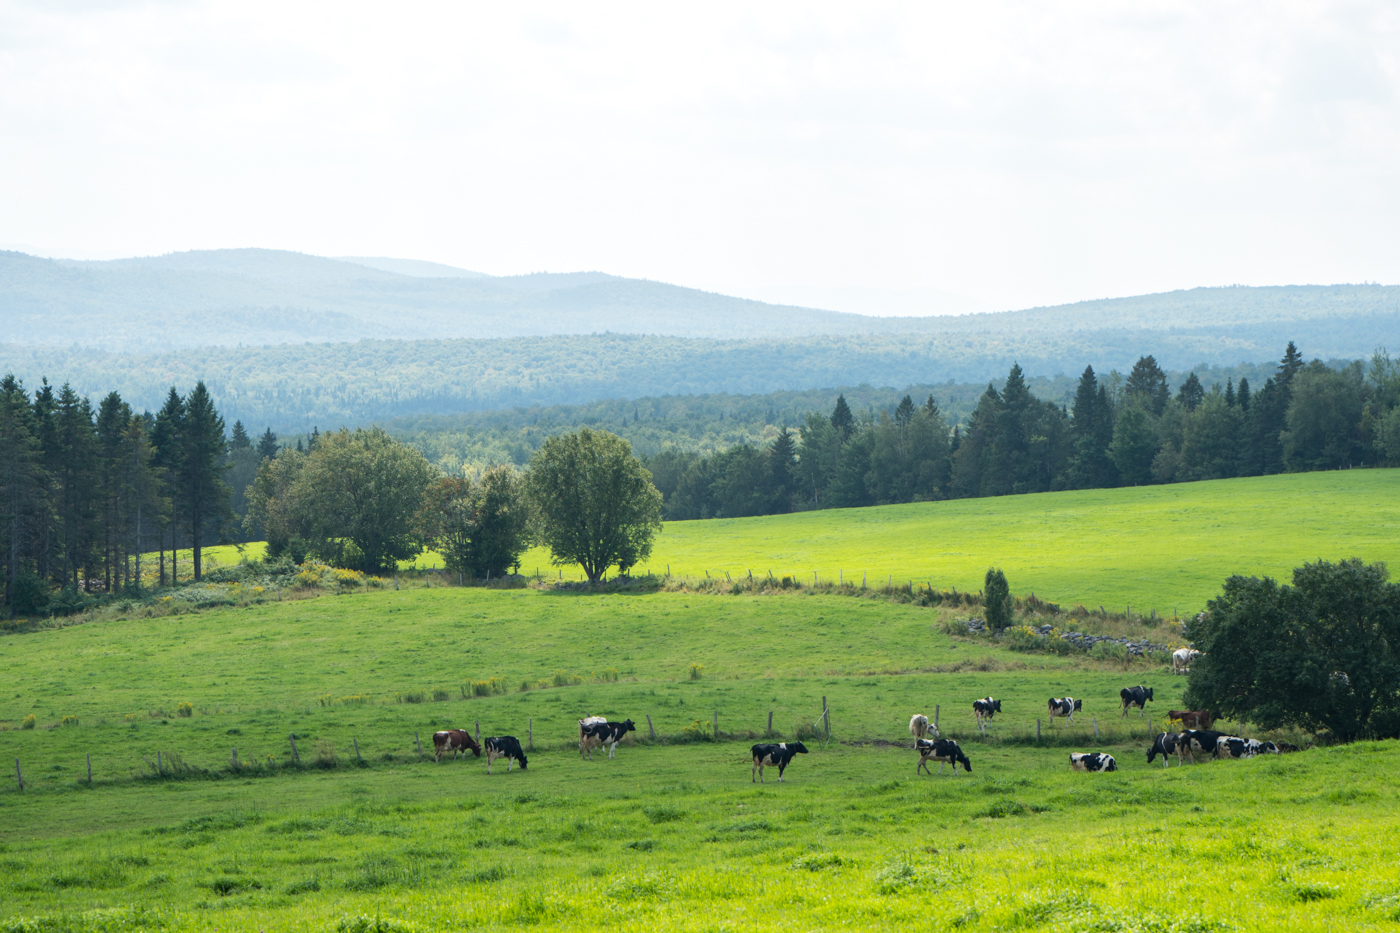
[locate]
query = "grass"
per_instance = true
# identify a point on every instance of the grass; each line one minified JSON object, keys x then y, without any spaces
{"x":669,"y":835}
{"x":1162,"y":548}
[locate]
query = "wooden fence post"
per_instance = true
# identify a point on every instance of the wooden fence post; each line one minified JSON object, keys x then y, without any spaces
{"x":478,"y":732}
{"x":160,"y":768}
{"x":358,"y":756}
{"x":530,"y":732}
{"x":417,"y":744}
{"x":89,"y":758}
{"x":1037,"y":730}
{"x":770,"y":722}
{"x":1095,"y":720}
{"x":716,"y":722}
{"x":19,"y":775}
{"x":295,"y":756}
{"x":826,"y":718}
{"x":650,"y":727}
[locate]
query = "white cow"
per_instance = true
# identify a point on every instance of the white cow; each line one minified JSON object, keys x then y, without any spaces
{"x":920,"y":727}
{"x":1182,"y":658}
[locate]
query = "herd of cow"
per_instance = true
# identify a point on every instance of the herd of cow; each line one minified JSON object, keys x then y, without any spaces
{"x":1195,"y":738}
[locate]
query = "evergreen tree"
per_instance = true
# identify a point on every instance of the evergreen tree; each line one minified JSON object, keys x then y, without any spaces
{"x":1091,"y":428}
{"x":1289,"y":366}
{"x":931,"y":406}
{"x":996,"y":600}
{"x":1230,"y":392}
{"x":239,"y":440}
{"x":76,"y":483}
{"x":1134,"y":446}
{"x":22,"y":482}
{"x":1147,"y":385}
{"x":842,"y":419}
{"x":1191,"y":393}
{"x":782,"y":468}
{"x":267,"y":445}
{"x":169,"y":463}
{"x":904,"y":413}
{"x":1243,"y":395}
{"x":203,"y":451}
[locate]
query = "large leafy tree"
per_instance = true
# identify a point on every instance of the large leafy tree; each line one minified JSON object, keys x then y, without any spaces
{"x":594,"y":502}
{"x":1323,"y":653}
{"x":356,"y":499}
{"x":478,"y":528}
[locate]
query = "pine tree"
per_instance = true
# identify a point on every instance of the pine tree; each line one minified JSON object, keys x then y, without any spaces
{"x":842,"y":419}
{"x":1290,"y":364}
{"x":904,"y":413}
{"x":782,"y":456}
{"x":76,"y":484}
{"x":1243,"y":396}
{"x":1147,"y":385}
{"x":169,"y":463}
{"x":239,"y":440}
{"x":22,"y":481}
{"x":267,"y":446}
{"x":1229,"y":392}
{"x":201,"y":476}
{"x":1191,"y":394}
{"x":931,"y":407}
{"x":996,"y":600}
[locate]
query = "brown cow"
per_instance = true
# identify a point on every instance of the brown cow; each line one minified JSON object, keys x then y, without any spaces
{"x":455,"y":741}
{"x":1193,"y":719}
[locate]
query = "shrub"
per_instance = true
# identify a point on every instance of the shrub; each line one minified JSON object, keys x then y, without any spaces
{"x":29,"y":722}
{"x":696,"y":670}
{"x":492,"y":686}
{"x":28,"y":595}
{"x":413,"y":696}
{"x":441,"y":695}
{"x":69,"y":721}
{"x":184,"y":710}
{"x":1108,"y":651}
{"x":565,"y":679}
{"x":608,"y":676}
{"x":363,"y":923}
{"x":1023,"y":638}
{"x":325,"y":755}
{"x":996,"y":599}
{"x":697,"y":731}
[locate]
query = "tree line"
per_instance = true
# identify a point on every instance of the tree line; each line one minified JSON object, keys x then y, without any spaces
{"x":1117,"y":432}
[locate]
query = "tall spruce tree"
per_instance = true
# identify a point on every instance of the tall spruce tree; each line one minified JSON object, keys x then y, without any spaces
{"x":22,"y":482}
{"x":203,"y":450}
{"x":239,"y":439}
{"x":1243,"y":395}
{"x":77,"y":486}
{"x":842,"y":419}
{"x":1147,"y":385}
{"x":169,"y":463}
{"x":1191,"y":393}
{"x":267,"y":445}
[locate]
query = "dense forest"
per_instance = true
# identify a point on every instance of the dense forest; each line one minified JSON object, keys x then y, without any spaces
{"x":1128,"y":432}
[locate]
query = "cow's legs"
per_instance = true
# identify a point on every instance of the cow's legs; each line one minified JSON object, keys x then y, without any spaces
{"x":754,"y":771}
{"x":940,"y":766}
{"x":781,"y":769}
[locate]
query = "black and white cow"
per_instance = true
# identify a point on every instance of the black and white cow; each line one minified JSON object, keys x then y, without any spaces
{"x":768,"y":756}
{"x":985,"y":709}
{"x":1232,"y":746}
{"x":1166,"y":744}
{"x":1137,"y":696}
{"x":1192,"y":741}
{"x":942,"y":751}
{"x":1092,"y":761}
{"x":1066,"y":707}
{"x":920,"y":727}
{"x":504,"y":746}
{"x":606,"y":734}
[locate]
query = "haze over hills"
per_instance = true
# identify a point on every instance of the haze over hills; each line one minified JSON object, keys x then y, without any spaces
{"x":259,"y":296}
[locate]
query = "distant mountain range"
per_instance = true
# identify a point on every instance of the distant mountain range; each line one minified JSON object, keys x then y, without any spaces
{"x":258,"y":297}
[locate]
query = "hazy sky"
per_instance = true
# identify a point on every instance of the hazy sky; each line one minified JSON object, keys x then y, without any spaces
{"x":1017,"y":154}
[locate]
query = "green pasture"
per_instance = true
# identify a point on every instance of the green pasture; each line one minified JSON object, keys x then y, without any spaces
{"x":1163,"y":548}
{"x":670,"y":834}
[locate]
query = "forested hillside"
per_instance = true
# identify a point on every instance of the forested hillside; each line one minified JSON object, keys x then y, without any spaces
{"x":295,"y":387}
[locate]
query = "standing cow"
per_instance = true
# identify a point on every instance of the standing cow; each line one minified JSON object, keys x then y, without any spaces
{"x":1137,"y":696}
{"x":1182,"y":658}
{"x":1066,"y":707}
{"x":456,"y":741}
{"x":507,"y":747}
{"x":605,"y":734}
{"x":767,"y":756}
{"x":985,"y":708}
{"x":1166,"y":744}
{"x":920,"y":727}
{"x":942,"y":751}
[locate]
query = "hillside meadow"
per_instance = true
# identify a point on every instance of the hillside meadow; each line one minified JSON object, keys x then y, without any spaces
{"x":669,"y":835}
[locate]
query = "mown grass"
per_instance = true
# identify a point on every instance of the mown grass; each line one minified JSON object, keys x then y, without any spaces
{"x":669,"y":835}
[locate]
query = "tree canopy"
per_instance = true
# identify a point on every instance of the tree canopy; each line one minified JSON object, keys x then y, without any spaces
{"x":594,"y":502}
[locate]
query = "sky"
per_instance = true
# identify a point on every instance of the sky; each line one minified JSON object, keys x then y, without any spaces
{"x":1004,"y":155}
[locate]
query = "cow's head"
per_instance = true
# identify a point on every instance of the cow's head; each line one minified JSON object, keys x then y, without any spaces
{"x":629,"y":726}
{"x":1147,"y":692}
{"x":797,"y":747}
{"x":996,"y":705}
{"x":1078,"y":705}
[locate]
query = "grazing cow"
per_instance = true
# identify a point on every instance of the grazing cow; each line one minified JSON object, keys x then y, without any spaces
{"x":1182,"y":658}
{"x":1232,"y":746}
{"x":606,"y":734}
{"x":1092,"y":761}
{"x":1193,"y":719}
{"x":985,"y":709}
{"x":1135,"y":696}
{"x":456,"y":741}
{"x":507,"y":747}
{"x":942,"y":751}
{"x":1166,"y":744}
{"x":766,"y":756}
{"x":1198,"y":740}
{"x":1065,"y":707}
{"x":920,"y":727}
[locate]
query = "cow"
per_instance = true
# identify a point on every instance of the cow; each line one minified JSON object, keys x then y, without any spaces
{"x":767,"y":756}
{"x":1065,"y":707}
{"x":1135,"y":696}
{"x":1192,"y":719}
{"x":1232,"y":746}
{"x":507,"y":747}
{"x":920,"y":727}
{"x":1092,"y":761}
{"x":606,"y":734}
{"x":1182,"y":658}
{"x":1166,"y":744}
{"x":984,"y":709}
{"x":942,"y":751}
{"x":1198,"y":740}
{"x":456,"y":741}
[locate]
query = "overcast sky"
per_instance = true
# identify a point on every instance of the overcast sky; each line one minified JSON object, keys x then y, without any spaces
{"x":1014,"y":154}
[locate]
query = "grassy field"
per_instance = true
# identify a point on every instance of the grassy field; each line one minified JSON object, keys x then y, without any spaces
{"x":669,"y":835}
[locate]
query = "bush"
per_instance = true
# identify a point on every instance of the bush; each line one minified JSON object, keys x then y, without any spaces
{"x":565,"y":679}
{"x":996,"y":598}
{"x":484,"y":688}
{"x":1023,"y":638}
{"x":441,"y":695}
{"x":413,"y":696}
{"x":696,"y":670}
{"x":29,"y":722}
{"x":1108,"y":651}
{"x":69,"y":721}
{"x":28,"y":595}
{"x":184,"y":710}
